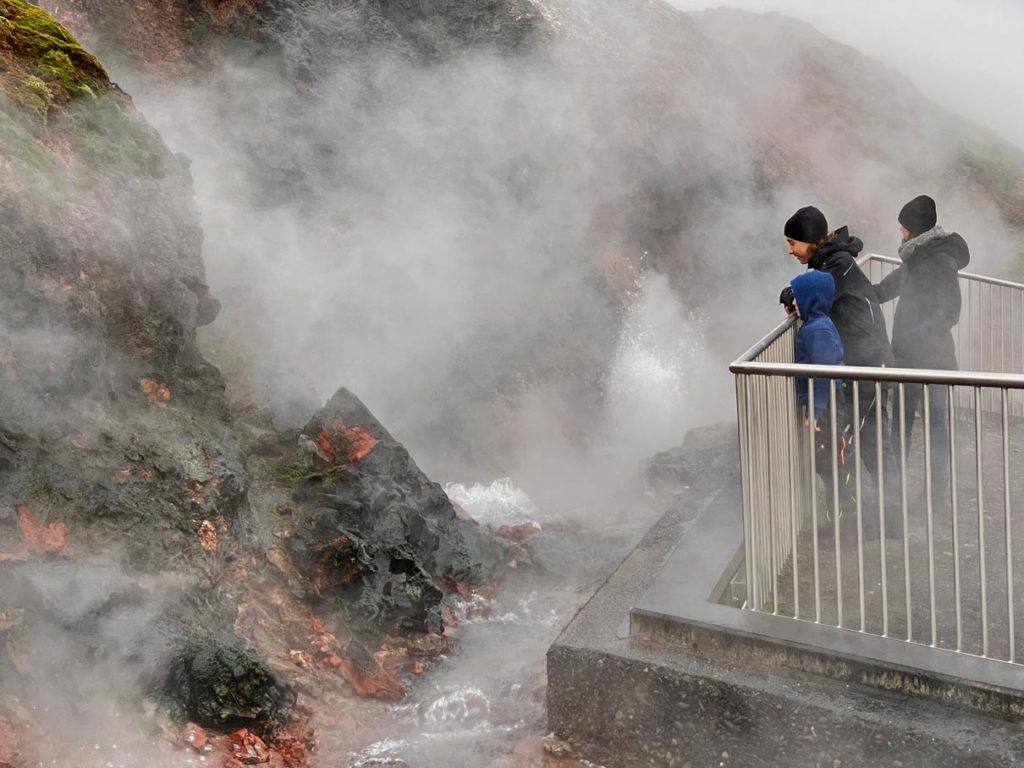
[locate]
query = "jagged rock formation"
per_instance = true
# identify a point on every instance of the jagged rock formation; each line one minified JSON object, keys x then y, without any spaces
{"x":373,"y":529}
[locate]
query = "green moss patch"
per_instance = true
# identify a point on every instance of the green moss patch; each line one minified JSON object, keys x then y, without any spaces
{"x":20,"y":147}
{"x":37,"y":54}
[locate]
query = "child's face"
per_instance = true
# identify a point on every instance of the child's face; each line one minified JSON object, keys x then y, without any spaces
{"x":796,"y":307}
{"x":799,"y":250}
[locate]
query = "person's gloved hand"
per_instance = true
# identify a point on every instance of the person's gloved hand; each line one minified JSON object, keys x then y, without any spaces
{"x":788,"y":300}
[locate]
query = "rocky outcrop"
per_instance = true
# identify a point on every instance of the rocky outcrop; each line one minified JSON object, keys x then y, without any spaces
{"x":374,"y":530}
{"x":115,"y":432}
{"x":102,"y":288}
{"x":135,"y":564}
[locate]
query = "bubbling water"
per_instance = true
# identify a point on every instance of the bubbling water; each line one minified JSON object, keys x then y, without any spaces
{"x":655,"y":390}
{"x":498,"y":503}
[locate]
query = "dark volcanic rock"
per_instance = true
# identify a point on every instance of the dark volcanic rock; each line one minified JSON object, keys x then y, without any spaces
{"x":373,"y":524}
{"x":677,"y":468}
{"x":218,"y":684}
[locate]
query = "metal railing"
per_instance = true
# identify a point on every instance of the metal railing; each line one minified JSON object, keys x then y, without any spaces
{"x":922,"y":549}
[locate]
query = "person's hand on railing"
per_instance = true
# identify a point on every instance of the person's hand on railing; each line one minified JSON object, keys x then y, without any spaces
{"x":787,"y":300}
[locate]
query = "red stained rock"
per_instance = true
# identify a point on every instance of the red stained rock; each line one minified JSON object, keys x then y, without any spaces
{"x":358,"y":444}
{"x":429,"y":645}
{"x":343,"y":443}
{"x":323,"y":642}
{"x":519,"y":533}
{"x":51,"y":537}
{"x":248,"y":748}
{"x":9,"y":747}
{"x":155,"y":391}
{"x":323,"y":440}
{"x":371,"y":682}
{"x":294,"y":743}
{"x":208,"y":538}
{"x":193,"y":736}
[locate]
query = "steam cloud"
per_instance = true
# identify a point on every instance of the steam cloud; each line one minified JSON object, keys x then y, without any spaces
{"x":434,"y":232}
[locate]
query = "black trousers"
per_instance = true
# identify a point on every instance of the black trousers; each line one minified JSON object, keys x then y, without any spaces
{"x":938,"y":422}
{"x":870,"y":411}
{"x":836,"y":442}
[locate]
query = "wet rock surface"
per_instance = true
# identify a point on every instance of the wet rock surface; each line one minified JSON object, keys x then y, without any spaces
{"x":221,"y":685}
{"x":373,"y":528}
{"x":673,"y":471}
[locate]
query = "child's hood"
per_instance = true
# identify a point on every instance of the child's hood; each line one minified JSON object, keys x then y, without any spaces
{"x":814,"y":292}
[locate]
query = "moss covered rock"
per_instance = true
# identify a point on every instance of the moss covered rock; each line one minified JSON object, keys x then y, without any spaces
{"x":222,"y":685}
{"x":43,"y":65}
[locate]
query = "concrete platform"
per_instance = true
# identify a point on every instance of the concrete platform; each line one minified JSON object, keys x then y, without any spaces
{"x":654,"y":672}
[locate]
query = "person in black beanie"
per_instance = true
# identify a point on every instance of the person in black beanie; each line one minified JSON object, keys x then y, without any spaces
{"x":928,"y":290}
{"x":857,"y":316}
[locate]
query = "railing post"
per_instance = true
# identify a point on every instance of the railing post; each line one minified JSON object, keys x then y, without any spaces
{"x":981,"y":520}
{"x":1008,"y":523}
{"x":745,"y":484}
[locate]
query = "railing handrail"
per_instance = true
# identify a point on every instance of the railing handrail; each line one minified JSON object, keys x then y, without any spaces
{"x":764,"y":342}
{"x":895,"y":375}
{"x":968,"y":275}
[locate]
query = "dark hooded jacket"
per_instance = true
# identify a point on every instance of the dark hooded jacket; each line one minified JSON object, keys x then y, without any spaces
{"x":817,"y":341}
{"x":929,"y":299}
{"x":856,"y":312}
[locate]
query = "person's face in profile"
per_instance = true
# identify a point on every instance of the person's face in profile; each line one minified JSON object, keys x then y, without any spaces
{"x":904,"y":233}
{"x":799,"y":250}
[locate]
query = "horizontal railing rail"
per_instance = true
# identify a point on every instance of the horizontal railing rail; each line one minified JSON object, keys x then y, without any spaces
{"x":888,"y":375}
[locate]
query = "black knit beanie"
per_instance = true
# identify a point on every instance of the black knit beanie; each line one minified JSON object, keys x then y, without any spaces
{"x":918,"y":216}
{"x":807,"y":225}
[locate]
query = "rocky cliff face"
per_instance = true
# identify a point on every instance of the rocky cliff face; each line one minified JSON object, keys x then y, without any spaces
{"x":103,"y":287}
{"x":143,"y":525}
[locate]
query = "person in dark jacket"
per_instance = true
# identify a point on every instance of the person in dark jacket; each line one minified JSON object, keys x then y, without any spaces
{"x":858,"y":318}
{"x":928,"y":290}
{"x":818,"y":343}
{"x":856,"y":312}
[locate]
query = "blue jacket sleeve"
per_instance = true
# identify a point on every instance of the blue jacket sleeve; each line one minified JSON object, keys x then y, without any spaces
{"x":822,"y":351}
{"x":800,"y":356}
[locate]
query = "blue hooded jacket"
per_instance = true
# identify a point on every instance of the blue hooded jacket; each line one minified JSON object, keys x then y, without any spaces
{"x":817,"y":341}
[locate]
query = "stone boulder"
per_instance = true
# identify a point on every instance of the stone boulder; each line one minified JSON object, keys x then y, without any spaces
{"x":371,"y":525}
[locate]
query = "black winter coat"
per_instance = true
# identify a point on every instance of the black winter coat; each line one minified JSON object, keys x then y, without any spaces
{"x":929,"y":299}
{"x":855,"y":311}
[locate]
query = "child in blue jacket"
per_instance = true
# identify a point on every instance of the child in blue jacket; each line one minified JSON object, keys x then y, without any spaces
{"x":818,"y":343}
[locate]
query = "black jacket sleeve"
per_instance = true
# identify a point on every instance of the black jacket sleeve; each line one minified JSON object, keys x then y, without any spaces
{"x":889,"y":288}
